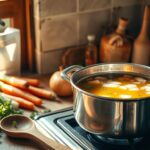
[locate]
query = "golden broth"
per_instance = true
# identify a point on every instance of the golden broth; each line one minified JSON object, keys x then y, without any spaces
{"x":117,"y":86}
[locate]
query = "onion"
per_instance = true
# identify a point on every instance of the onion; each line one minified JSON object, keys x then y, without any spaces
{"x":60,"y":86}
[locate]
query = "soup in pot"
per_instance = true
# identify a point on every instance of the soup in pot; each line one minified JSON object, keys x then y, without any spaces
{"x":121,"y":86}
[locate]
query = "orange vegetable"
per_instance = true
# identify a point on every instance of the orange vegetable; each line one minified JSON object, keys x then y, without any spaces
{"x":22,"y":102}
{"x":8,"y":89}
{"x":31,"y":81}
{"x":14,"y":81}
{"x":42,"y":92}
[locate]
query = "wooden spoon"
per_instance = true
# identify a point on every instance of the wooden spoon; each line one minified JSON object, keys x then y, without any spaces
{"x":22,"y":126}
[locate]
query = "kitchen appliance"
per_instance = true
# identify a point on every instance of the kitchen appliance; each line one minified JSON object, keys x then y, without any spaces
{"x":62,"y":127}
{"x":109,"y":117}
{"x":10,"y":51}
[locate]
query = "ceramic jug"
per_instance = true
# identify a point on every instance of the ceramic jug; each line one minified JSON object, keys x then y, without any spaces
{"x":116,"y":47}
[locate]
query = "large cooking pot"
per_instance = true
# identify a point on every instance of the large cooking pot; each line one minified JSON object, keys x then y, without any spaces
{"x":108,"y":117}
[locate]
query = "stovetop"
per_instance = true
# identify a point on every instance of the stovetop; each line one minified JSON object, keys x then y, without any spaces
{"x":61,"y":125}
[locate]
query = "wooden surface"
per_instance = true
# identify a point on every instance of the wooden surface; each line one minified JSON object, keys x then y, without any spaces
{"x":9,"y":143}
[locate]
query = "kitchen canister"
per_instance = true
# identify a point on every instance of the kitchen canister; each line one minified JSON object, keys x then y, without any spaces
{"x":141,"y":50}
{"x":116,"y":47}
{"x":10,"y":51}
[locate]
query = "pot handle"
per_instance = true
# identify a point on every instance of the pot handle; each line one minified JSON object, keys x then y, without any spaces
{"x":67,"y":73}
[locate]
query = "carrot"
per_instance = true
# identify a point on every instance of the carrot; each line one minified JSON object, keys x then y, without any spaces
{"x":21,"y":102}
{"x":14,"y":81}
{"x":31,"y":81}
{"x":42,"y":93}
{"x":8,"y":89}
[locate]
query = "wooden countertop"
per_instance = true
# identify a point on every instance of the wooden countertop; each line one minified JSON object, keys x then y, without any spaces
{"x":9,"y":143}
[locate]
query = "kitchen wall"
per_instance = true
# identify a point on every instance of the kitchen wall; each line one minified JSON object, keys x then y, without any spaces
{"x":60,"y":24}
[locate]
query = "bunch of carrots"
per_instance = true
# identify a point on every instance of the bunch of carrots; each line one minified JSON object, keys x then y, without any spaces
{"x":24,"y":91}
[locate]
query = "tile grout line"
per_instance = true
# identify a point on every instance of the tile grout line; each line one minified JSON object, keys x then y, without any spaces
{"x":74,"y":13}
{"x":111,"y":11}
{"x":78,"y":22}
{"x":81,"y":12}
{"x":54,"y":50}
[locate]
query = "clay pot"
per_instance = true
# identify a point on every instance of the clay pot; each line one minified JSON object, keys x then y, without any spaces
{"x":116,"y":47}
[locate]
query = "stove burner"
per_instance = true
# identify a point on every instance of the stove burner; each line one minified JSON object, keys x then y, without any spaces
{"x":62,"y":126}
{"x":114,"y":141}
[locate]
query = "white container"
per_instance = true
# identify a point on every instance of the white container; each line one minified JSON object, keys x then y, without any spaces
{"x":10,"y":52}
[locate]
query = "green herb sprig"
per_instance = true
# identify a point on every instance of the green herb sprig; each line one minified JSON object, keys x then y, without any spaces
{"x":14,"y":123}
{"x":7,"y":109}
{"x":35,"y":113}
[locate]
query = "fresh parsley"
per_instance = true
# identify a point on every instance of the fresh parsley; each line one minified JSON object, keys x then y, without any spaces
{"x":35,"y":113}
{"x":14,"y":123}
{"x":7,"y":109}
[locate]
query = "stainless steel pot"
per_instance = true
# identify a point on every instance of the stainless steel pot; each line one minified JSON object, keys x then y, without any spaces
{"x":105,"y":116}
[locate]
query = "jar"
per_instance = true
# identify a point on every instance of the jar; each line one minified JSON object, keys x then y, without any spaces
{"x":91,"y":51}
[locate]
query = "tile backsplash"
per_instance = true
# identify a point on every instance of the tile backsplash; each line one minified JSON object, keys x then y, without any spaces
{"x":57,"y":7}
{"x":91,"y":23}
{"x":122,"y":3}
{"x":85,"y":5}
{"x":60,"y":24}
{"x":59,"y":32}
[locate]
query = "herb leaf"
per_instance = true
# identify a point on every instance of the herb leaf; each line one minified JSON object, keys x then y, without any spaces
{"x":35,"y":113}
{"x":7,"y":109}
{"x":14,"y":124}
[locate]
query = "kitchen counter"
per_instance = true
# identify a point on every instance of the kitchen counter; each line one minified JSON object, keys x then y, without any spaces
{"x":9,"y":143}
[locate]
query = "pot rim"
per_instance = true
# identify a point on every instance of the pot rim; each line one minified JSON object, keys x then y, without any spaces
{"x":107,"y":98}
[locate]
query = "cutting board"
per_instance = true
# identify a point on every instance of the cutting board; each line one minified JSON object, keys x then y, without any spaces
{"x":74,"y":56}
